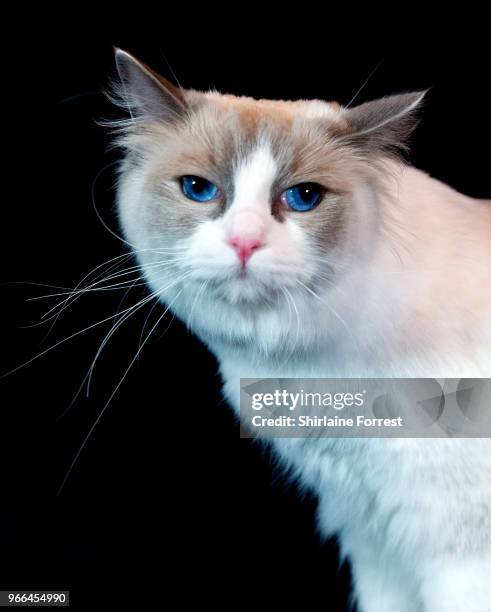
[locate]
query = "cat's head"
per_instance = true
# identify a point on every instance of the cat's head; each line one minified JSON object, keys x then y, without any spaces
{"x":237,"y":206}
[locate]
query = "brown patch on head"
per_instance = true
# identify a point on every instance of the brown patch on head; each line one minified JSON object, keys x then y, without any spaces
{"x":326,"y":224}
{"x":217,"y":135}
{"x":302,"y":136}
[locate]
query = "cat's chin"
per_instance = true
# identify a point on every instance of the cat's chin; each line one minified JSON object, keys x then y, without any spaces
{"x":245,"y":290}
{"x":239,"y":289}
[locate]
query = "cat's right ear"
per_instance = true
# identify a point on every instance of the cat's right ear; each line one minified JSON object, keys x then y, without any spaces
{"x":146,"y":94}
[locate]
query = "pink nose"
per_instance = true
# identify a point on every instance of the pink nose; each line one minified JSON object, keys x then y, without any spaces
{"x":245,"y":247}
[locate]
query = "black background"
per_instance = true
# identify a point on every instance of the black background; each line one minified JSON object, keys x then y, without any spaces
{"x":165,"y":499}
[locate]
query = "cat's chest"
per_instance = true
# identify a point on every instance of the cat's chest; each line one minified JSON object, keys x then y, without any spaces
{"x":314,"y":461}
{"x":336,"y":362}
{"x":366,"y":478}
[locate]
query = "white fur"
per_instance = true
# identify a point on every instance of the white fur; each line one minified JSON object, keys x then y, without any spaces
{"x":253,"y":180}
{"x":249,"y":216}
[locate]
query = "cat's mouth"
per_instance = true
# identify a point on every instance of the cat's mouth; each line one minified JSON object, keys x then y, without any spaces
{"x":245,"y":288}
{"x":242,"y":274}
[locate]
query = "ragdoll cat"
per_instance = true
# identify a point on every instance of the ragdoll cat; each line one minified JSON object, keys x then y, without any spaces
{"x":295,"y":243}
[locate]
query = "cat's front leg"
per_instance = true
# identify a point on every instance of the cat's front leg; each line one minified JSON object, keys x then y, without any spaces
{"x":457,"y":585}
{"x":380,"y":583}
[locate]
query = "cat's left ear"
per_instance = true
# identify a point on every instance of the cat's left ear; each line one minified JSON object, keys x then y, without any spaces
{"x":384,"y":125}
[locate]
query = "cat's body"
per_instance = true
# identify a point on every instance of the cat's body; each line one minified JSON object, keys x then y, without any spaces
{"x":387,"y":276}
{"x":398,"y":505}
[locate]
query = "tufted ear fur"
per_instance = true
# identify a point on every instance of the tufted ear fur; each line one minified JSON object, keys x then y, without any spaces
{"x":384,"y":124}
{"x":145,"y":93}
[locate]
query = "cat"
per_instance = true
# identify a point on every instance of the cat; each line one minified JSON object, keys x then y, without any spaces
{"x":294,"y":241}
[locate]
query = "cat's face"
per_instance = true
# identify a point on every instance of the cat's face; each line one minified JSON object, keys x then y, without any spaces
{"x":248,"y":202}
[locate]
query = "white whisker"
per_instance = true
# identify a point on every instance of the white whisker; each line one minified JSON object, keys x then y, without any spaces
{"x":104,"y":408}
{"x":60,"y":342}
{"x":325,"y":303}
{"x":199,"y":293}
{"x":124,"y":318}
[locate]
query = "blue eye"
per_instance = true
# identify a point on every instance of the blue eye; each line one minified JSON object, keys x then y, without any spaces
{"x":199,"y":189}
{"x":303,"y":197}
